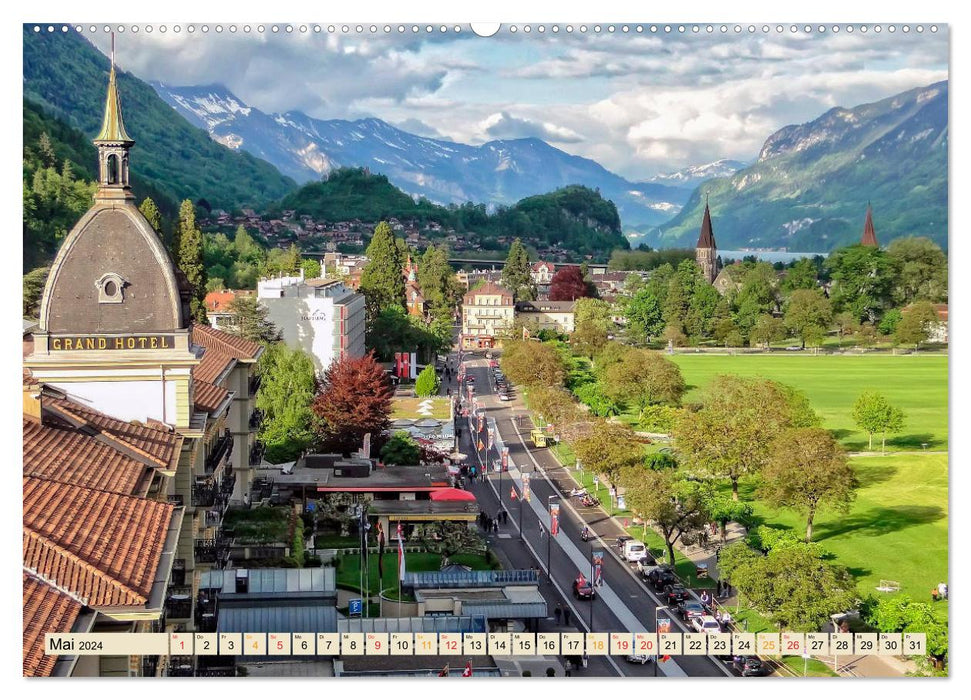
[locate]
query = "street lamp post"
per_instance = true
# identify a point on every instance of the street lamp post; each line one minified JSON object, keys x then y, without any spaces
{"x":593,"y":586}
{"x":550,"y":500}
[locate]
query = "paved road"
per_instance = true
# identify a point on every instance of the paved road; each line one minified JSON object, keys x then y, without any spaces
{"x":623,"y":603}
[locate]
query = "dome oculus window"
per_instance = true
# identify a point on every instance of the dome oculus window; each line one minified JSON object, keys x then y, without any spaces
{"x":110,"y":289}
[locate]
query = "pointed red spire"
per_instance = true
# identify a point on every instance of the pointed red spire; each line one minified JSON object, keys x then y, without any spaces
{"x":707,"y":238}
{"x":869,"y":233}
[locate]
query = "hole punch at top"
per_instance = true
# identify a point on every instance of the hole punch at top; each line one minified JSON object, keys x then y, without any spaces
{"x":486,"y":29}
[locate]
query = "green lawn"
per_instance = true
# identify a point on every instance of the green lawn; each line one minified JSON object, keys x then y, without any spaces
{"x":915,"y":383}
{"x":896,"y":528}
{"x":407,"y":407}
{"x":809,"y":667}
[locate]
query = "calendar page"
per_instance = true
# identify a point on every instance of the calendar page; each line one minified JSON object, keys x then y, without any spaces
{"x":443,"y":349}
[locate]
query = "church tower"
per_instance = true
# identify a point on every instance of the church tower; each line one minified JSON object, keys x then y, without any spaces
{"x":869,"y":233}
{"x":114,"y":317}
{"x":706,"y":254}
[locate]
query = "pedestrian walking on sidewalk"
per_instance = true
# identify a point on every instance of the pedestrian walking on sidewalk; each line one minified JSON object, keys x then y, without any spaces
{"x":558,"y":613}
{"x":495,"y":526}
{"x":542,"y":532}
{"x":566,"y":615}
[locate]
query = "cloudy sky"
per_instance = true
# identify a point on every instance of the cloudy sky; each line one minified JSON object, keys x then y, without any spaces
{"x":638,"y":103}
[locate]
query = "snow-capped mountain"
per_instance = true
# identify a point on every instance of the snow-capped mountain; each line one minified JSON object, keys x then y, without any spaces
{"x":696,"y":174}
{"x":497,"y":172}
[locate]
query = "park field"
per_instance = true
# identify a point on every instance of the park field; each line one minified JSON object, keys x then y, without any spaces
{"x":896,"y":528}
{"x":917,"y":384}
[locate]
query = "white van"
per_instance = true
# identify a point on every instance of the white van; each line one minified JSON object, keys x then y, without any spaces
{"x":634,"y":550}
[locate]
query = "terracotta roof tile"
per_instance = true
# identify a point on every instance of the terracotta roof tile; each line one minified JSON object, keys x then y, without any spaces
{"x":64,"y":454}
{"x":162,"y":445}
{"x":213,"y":364}
{"x":489,"y":288}
{"x":227,"y":343}
{"x":208,"y":397}
{"x":219,"y":301}
{"x":102,"y":547}
{"x":46,"y":609}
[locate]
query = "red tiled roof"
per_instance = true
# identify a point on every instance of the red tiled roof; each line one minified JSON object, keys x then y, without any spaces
{"x":490,"y":289}
{"x":64,"y":454}
{"x":160,"y":446}
{"x":227,"y":343}
{"x":208,"y":397}
{"x":102,"y":547}
{"x":213,"y":364}
{"x":46,"y":609}
{"x":217,"y":302}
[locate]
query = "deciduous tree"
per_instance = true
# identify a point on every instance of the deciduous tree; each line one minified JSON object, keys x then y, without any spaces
{"x":607,"y":448}
{"x":532,"y":363}
{"x":355,"y":400}
{"x":920,"y":268}
{"x":400,"y":449}
{"x":733,"y":433}
{"x":568,"y":285}
{"x":287,"y":387}
{"x":677,"y":507}
{"x":807,"y":470}
{"x":767,"y":330}
{"x":916,"y":324}
{"x":808,"y":314}
{"x":642,"y":378}
{"x":874,"y":414}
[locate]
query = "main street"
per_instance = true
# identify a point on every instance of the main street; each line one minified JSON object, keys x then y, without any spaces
{"x":623,"y":603}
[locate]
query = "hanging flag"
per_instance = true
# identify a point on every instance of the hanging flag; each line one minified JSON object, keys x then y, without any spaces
{"x":598,"y":560}
{"x":480,"y":444}
{"x":527,"y":494}
{"x":512,"y":493}
{"x":467,"y":673}
{"x":401,"y":553}
{"x":492,"y":437}
{"x":665,"y":658}
{"x":443,"y":672}
{"x":554,"y":519}
{"x":481,"y":422}
{"x":505,"y":458}
{"x":366,"y":449}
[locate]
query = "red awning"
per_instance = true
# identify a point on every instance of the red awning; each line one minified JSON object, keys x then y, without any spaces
{"x":451,"y":495}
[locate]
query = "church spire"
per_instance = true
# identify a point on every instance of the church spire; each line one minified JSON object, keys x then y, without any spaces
{"x":113,"y":144}
{"x":706,"y":239}
{"x":869,"y":233}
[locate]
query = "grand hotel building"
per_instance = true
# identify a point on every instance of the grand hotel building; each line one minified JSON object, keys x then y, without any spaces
{"x":137,"y":433}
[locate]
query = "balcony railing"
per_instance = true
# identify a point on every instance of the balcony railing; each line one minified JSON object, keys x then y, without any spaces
{"x":178,"y":602}
{"x":223,"y":446}
{"x":256,"y":453}
{"x":255,"y":419}
{"x":212,"y":551}
{"x":204,"y":494}
{"x":180,"y":667}
{"x":254,"y":384}
{"x":149,"y":666}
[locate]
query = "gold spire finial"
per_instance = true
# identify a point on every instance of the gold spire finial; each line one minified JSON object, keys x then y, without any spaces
{"x":112,"y":127}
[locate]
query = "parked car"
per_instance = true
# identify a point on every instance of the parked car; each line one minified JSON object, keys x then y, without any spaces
{"x":706,"y":624}
{"x":640,"y":658}
{"x":691,"y":609}
{"x":582,"y":590}
{"x":749,"y":666}
{"x":633,"y":550}
{"x":675,"y":593}
{"x":470,"y":379}
{"x":662,"y":577}
{"x":645,"y":565}
{"x":503,"y":396}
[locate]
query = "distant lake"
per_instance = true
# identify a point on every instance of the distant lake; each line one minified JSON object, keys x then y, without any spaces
{"x":771,"y":256}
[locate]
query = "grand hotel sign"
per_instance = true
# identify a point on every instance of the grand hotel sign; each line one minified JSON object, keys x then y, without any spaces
{"x":113,"y":342}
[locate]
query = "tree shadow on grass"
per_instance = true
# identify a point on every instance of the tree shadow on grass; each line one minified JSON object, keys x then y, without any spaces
{"x":879,"y":521}
{"x":916,"y":441}
{"x":842,"y":433}
{"x":873,"y":474}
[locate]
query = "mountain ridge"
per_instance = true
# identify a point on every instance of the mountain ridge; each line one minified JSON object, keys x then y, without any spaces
{"x":812,"y":182}
{"x":498,"y":172}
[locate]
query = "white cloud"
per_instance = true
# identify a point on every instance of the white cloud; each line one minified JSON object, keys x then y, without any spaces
{"x":636,"y":103}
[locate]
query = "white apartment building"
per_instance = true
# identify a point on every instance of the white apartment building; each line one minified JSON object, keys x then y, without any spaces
{"x":322,"y":317}
{"x":487,"y":312}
